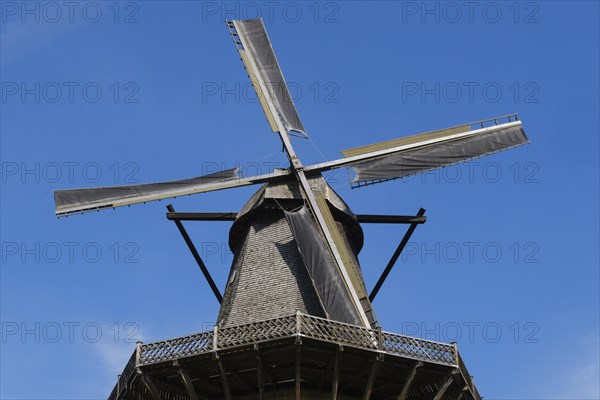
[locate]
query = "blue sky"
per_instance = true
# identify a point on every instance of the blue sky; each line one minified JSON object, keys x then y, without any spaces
{"x":103,"y":94}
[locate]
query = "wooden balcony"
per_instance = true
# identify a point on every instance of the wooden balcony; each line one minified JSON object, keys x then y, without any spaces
{"x":293,"y":357}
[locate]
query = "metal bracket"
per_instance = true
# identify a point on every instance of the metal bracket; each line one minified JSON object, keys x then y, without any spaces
{"x":231,"y":216}
{"x":196,"y":216}
{"x":396,"y":254}
{"x":196,"y":255}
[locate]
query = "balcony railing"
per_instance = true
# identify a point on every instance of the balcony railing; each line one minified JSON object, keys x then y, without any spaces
{"x":298,"y":325}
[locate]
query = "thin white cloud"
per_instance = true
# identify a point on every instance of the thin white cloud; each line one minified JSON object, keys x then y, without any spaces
{"x":584,"y":380}
{"x":113,"y":356}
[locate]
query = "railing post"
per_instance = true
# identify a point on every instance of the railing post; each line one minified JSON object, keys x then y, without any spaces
{"x":298,"y":323}
{"x":455,"y":354}
{"x":138,"y":353}
{"x":380,"y":338}
{"x":215,"y":338}
{"x":118,"y":385}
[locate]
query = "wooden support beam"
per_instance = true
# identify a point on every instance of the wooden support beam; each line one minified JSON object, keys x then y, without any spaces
{"x":150,"y":386}
{"x":298,"y":369}
{"x":206,"y":383}
{"x":372,"y":376}
{"x":328,"y":373}
{"x":352,"y":381}
{"x":189,"y":386}
{"x":265,"y":363}
{"x":223,"y":374}
{"x":259,"y":373}
{"x":445,"y":386}
{"x":461,"y":393}
{"x":409,"y":380}
{"x":335,"y":381}
{"x":236,"y":374}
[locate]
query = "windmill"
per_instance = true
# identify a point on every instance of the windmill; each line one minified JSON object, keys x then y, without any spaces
{"x":296,"y":320}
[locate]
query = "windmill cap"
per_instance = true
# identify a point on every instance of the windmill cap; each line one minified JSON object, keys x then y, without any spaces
{"x":274,"y":196}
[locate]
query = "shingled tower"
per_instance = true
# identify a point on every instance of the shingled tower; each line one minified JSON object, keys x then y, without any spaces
{"x":268,"y":277}
{"x":296,"y":321}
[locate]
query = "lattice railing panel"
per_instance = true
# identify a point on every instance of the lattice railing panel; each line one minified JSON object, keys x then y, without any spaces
{"x":256,"y":332}
{"x":174,"y":348}
{"x":420,"y":349}
{"x":128,"y":371}
{"x":337,"y":332}
{"x":123,"y":379}
{"x":113,"y":395}
{"x":309,"y":326}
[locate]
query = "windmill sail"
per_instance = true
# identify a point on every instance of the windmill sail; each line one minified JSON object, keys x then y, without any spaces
{"x":259,"y":58}
{"x":72,"y":201}
{"x":423,"y":152}
{"x":440,"y":154}
{"x":348,"y":262}
{"x":327,"y":280}
{"x":263,"y":69}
